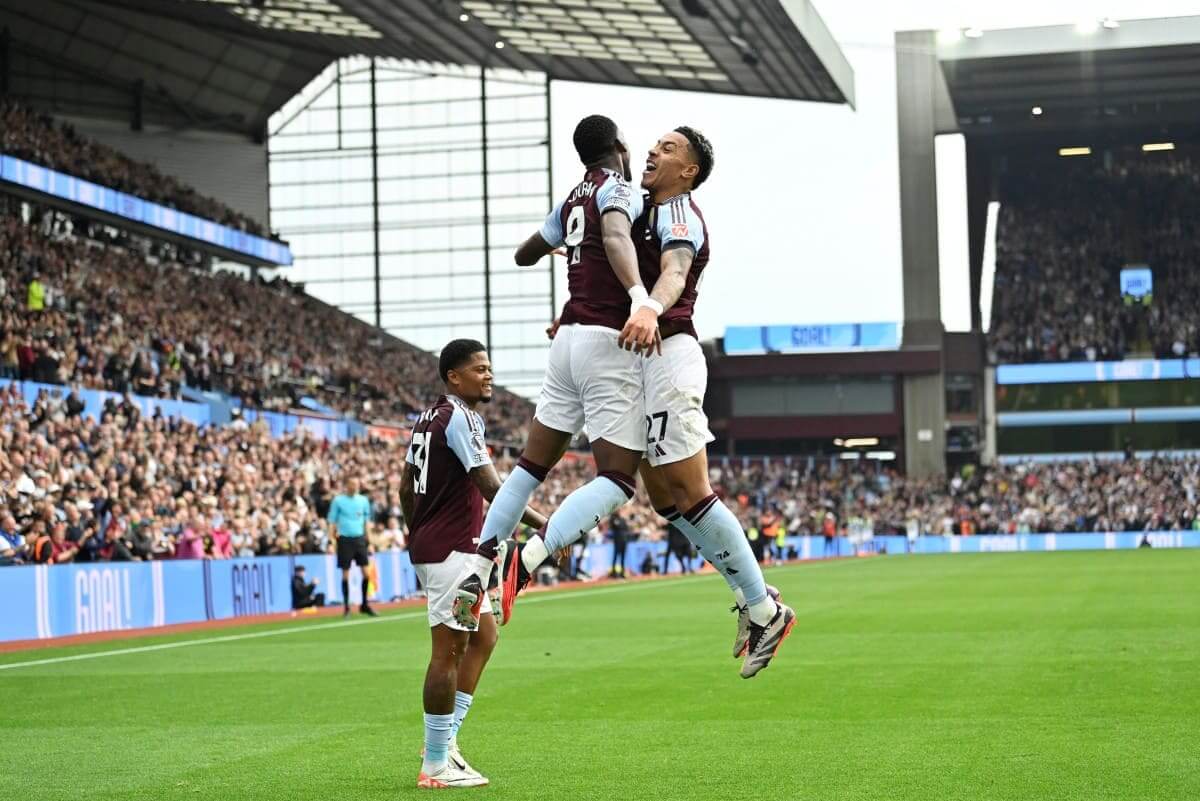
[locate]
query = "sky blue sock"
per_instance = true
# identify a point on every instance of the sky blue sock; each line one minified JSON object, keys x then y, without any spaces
{"x":438,"y":731}
{"x":507,"y":507}
{"x":462,"y":705}
{"x":722,"y":536}
{"x":584,"y":508}
{"x":700,"y":543}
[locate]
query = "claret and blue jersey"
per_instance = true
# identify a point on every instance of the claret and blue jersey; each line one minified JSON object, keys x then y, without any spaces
{"x":676,"y":222}
{"x":596,"y":295}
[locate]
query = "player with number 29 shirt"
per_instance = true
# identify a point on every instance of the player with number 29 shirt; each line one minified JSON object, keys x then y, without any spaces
{"x":448,"y":473}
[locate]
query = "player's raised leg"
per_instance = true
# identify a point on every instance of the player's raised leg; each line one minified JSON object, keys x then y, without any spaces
{"x":715,"y":530}
{"x":663,"y":503}
{"x":544,"y":447}
{"x":578,"y":514}
{"x":558,"y":416}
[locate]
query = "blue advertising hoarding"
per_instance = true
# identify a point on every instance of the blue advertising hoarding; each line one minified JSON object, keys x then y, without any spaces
{"x":86,"y":193}
{"x":1095,"y":372}
{"x":44,"y":602}
{"x":822,"y":338}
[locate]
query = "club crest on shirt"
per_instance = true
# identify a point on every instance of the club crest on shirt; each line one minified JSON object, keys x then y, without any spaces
{"x":679,"y":230}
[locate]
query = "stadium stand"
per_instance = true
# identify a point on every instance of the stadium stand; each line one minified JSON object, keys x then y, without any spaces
{"x":127,"y":315}
{"x":34,"y":136}
{"x":128,"y":487}
{"x":1066,"y":229}
{"x":86,"y":306}
{"x":1128,"y":495}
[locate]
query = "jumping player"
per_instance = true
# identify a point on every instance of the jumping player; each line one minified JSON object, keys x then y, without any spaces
{"x":591,"y":384}
{"x":672,"y":243}
{"x":447,"y":475}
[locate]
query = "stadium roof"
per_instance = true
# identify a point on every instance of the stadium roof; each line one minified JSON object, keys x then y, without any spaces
{"x":1103,"y":73}
{"x":229,"y":64}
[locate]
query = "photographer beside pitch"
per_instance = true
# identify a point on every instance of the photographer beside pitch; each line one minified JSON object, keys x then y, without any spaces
{"x":448,"y":473}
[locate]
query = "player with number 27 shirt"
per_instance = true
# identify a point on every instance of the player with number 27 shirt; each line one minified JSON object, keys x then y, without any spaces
{"x":672,"y":243}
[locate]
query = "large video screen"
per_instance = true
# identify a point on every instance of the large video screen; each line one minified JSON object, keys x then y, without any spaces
{"x":86,"y":193}
{"x":1137,"y":284}
{"x":742,"y":340}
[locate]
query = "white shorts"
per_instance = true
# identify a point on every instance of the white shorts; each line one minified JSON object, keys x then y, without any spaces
{"x":440,"y":580}
{"x":593,"y":385}
{"x":674,"y":385}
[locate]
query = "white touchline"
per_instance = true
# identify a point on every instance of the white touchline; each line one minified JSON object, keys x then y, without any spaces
{"x":142,"y":649}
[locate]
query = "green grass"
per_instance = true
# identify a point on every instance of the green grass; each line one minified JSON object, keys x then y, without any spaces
{"x":999,"y":676}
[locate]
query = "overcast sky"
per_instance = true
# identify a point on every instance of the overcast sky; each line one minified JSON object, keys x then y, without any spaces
{"x":803,"y":204}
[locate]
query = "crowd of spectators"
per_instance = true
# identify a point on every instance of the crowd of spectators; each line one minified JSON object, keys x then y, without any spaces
{"x":86,"y":307}
{"x":33,"y":136}
{"x":1122,"y":495}
{"x":131,"y":487}
{"x":78,"y":307}
{"x":1066,"y":229}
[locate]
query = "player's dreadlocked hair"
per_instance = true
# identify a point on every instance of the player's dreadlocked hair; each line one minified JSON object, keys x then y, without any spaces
{"x":456,"y":354}
{"x":594,"y":138}
{"x":701,"y":151}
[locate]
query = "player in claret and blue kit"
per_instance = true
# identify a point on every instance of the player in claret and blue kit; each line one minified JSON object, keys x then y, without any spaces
{"x":448,"y":474}
{"x":672,"y":242}
{"x":591,"y":383}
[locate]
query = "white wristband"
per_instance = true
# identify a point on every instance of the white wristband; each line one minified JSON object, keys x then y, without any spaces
{"x":637,"y":294}
{"x":652,"y":304}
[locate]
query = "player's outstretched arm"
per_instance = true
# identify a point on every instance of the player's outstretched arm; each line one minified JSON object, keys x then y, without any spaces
{"x":532,"y":250}
{"x":487,"y":481}
{"x":615,"y":229}
{"x":674,"y":266}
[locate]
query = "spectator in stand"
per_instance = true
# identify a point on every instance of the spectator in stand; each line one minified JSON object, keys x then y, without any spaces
{"x":36,"y":295}
{"x":12,"y":543}
{"x":190,"y":544}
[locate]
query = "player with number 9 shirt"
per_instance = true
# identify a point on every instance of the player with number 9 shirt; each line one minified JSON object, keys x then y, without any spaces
{"x":591,"y":384}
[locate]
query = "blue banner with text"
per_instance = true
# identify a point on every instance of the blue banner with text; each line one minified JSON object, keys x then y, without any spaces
{"x":43,"y":602}
{"x":86,"y":193}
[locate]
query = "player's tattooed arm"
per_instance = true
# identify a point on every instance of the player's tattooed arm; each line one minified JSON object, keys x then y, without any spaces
{"x":408,"y":501}
{"x":487,"y":481}
{"x":532,"y":250}
{"x":674,"y":266}
{"x":673,"y":271}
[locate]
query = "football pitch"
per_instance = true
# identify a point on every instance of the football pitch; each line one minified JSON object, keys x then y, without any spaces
{"x":993,"y":676}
